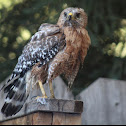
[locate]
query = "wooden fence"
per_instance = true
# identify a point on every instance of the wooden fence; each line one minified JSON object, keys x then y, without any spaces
{"x":52,"y":112}
{"x":104,"y":103}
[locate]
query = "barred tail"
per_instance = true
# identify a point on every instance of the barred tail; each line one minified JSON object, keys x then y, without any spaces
{"x":16,"y":96}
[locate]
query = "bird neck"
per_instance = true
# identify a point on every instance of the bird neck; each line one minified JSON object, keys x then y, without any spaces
{"x":73,"y":40}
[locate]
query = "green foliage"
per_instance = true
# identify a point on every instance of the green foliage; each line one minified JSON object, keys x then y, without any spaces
{"x":20,"y":19}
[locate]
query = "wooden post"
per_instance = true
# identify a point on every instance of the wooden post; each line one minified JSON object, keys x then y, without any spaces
{"x":49,"y":112}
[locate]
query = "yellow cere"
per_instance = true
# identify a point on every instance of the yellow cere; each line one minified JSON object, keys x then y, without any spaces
{"x":70,"y":14}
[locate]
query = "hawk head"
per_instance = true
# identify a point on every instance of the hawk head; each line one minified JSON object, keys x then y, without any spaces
{"x":73,"y":17}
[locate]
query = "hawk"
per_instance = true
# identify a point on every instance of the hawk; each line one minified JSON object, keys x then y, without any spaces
{"x":52,"y":51}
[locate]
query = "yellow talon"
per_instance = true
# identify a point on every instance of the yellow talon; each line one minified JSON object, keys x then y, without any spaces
{"x":38,"y":97}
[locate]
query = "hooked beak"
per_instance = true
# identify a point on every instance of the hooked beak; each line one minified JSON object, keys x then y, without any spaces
{"x":70,"y":16}
{"x":71,"y":22}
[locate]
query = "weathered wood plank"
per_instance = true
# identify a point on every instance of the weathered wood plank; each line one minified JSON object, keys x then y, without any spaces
{"x":55,"y":105}
{"x":66,"y":119}
{"x":42,"y":118}
{"x":73,"y":119}
{"x":43,"y":113}
{"x":32,"y":119}
{"x":59,"y":119}
{"x":46,"y":118}
{"x":26,"y":120}
{"x":104,"y":103}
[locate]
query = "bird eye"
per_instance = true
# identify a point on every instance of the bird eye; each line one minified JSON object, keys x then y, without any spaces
{"x":65,"y":14}
{"x":78,"y":15}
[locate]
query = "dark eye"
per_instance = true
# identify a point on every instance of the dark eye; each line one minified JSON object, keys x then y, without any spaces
{"x":65,"y":14}
{"x":78,"y":15}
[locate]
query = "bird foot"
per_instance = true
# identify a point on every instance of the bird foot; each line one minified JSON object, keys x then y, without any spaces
{"x":41,"y":100}
{"x":41,"y":97}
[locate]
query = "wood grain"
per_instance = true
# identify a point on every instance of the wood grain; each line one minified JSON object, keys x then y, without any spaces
{"x":66,"y":119}
{"x":104,"y":102}
{"x":46,"y":118}
{"x":42,"y":118}
{"x":59,"y":119}
{"x":53,"y":112}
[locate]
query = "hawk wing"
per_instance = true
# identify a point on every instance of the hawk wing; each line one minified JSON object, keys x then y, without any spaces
{"x":43,"y":47}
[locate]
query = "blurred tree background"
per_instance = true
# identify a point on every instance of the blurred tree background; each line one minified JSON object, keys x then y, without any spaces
{"x":20,"y":19}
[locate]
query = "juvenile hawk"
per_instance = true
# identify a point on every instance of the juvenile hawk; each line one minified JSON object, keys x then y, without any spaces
{"x":52,"y":51}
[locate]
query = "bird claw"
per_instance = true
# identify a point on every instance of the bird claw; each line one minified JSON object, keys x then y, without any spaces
{"x":41,"y":100}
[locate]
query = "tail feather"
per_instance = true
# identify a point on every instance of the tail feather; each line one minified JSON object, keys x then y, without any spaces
{"x":13,"y":84}
{"x":16,"y":97}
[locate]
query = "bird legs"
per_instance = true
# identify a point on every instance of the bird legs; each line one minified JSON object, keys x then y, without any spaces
{"x":51,"y":90}
{"x":43,"y":90}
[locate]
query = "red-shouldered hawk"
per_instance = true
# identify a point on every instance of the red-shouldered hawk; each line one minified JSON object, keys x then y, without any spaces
{"x":52,"y":51}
